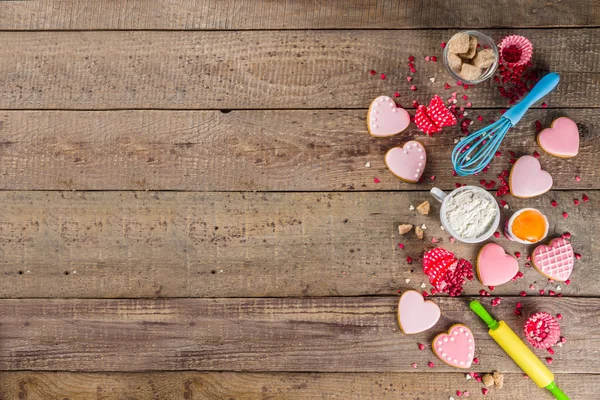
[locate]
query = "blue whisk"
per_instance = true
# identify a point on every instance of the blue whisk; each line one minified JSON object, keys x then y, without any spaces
{"x":475,"y":151}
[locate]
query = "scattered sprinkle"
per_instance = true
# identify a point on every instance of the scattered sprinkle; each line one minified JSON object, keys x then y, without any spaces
{"x":585,"y":198}
{"x":401,"y":246}
{"x":414,"y":365}
{"x":577,"y":178}
{"x":409,"y":259}
{"x":517,"y":254}
{"x":565,"y":214}
{"x":373,"y":72}
{"x":430,"y":364}
{"x":554,"y":203}
{"x":522,"y":294}
{"x":496,"y":235}
{"x":549,"y":360}
{"x":368,"y":165}
{"x":432,"y":80}
{"x":382,"y":76}
{"x":536,"y":154}
{"x":409,"y":78}
{"x":446,"y":86}
{"x":544,"y":105}
{"x":407,"y":280}
{"x":485,"y":391}
{"x":411,"y":207}
{"x":421,"y":346}
{"x":578,"y":256}
{"x":396,"y":94}
{"x":376,"y":180}
{"x":559,"y":316}
{"x":443,"y":45}
{"x":413,"y":87}
{"x":432,"y":177}
{"x":568,"y":282}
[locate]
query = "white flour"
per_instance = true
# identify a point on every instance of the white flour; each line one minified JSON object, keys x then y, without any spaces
{"x":470,"y":213}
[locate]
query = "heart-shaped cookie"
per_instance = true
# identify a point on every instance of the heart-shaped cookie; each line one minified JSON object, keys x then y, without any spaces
{"x":528,"y":179}
{"x":456,"y":348}
{"x":494,"y":266}
{"x":554,"y":261}
{"x":385,"y":118}
{"x":407,"y":162}
{"x":415,"y":314}
{"x":561,"y":139}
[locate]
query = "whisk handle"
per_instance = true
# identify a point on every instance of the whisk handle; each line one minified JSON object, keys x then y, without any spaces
{"x":542,"y":88}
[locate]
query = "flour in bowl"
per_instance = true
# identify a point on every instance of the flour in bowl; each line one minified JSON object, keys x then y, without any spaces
{"x":470,"y":213}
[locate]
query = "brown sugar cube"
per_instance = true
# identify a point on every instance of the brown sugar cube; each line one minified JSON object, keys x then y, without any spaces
{"x":498,"y":379}
{"x":488,"y":380}
{"x":469,"y":54}
{"x":484,"y":58}
{"x":470,"y":72}
{"x":423,"y":208}
{"x":454,"y":62}
{"x":404,"y":228}
{"x":419,"y":232}
{"x":459,"y":43}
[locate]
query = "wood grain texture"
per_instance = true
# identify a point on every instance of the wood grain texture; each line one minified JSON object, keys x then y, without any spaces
{"x":303,"y":14}
{"x":268,"y":69}
{"x":123,"y":244}
{"x":290,"y":386}
{"x":283,"y":150}
{"x":293,"y":335}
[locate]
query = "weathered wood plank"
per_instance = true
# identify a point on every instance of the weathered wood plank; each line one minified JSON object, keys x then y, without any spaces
{"x":304,"y":14}
{"x":294,"y":335}
{"x":250,"y":150}
{"x":290,"y":386}
{"x":272,"y":69}
{"x":123,"y":244}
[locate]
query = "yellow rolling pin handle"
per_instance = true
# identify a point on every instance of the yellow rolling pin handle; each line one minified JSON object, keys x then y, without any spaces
{"x":518,"y":351}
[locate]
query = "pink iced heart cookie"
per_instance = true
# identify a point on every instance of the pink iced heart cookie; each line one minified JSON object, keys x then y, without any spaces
{"x":456,"y":348}
{"x":528,"y":179}
{"x":561,"y":139}
{"x":415,"y":314}
{"x":494,"y":266}
{"x":556,"y":260}
{"x":407,"y":162}
{"x":385,"y":118}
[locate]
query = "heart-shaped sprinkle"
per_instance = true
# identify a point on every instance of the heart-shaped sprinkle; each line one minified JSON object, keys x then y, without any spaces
{"x":407,"y":162}
{"x":494,"y":266}
{"x":415,"y":314}
{"x":556,"y":260}
{"x":561,"y":139}
{"x":528,"y":179}
{"x":456,"y":348}
{"x":385,"y":118}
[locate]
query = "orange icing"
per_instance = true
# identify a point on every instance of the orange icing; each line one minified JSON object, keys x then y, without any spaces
{"x":529,"y":225}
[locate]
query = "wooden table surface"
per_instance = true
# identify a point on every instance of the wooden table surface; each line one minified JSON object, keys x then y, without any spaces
{"x":186,"y":211}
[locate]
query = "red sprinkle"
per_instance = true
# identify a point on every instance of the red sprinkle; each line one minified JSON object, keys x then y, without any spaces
{"x":414,"y":365}
{"x":585,"y":198}
{"x":446,"y":86}
{"x":421,"y":346}
{"x":413,"y":87}
{"x":568,"y":282}
{"x":496,"y":235}
{"x":465,"y":97}
{"x":430,"y":364}
{"x":411,"y":59}
{"x":382,"y":76}
{"x":544,"y":105}
{"x":458,"y":393}
{"x":476,"y":361}
{"x":542,"y":292}
{"x":517,"y":311}
{"x":522,"y":294}
{"x":373,"y":72}
{"x":396,"y":94}
{"x":491,"y":288}
{"x":457,"y":185}
{"x":496,"y":301}
{"x":578,"y":256}
{"x":433,"y":59}
{"x":443,"y":45}
{"x":563,"y":339}
{"x":376,"y":180}
{"x":536,"y":154}
{"x":565,"y":214}
{"x":409,"y":78}
{"x":519,"y":305}
{"x":401,"y":246}
{"x":577,"y":178}
{"x":484,"y":391}
{"x":554,"y":203}
{"x":550,"y":350}
{"x":551,"y":292}
{"x":566,"y":235}
{"x":433,"y":177}
{"x":517,"y":254}
{"x":425,"y":294}
{"x":409,"y":259}
{"x":559,"y":316}
{"x":576,"y":202}
{"x":549,"y":360}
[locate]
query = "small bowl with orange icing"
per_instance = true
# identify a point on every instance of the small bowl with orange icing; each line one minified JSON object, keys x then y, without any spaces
{"x":527,"y":226}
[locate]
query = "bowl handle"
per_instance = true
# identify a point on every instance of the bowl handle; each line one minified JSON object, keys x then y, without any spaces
{"x":438,"y":194}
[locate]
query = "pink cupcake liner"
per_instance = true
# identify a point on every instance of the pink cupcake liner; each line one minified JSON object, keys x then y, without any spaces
{"x":515,"y":50}
{"x":542,"y":331}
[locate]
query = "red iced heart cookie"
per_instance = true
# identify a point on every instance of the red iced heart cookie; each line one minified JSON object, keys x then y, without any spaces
{"x":415,"y":314}
{"x":494,"y":266}
{"x":431,"y":119}
{"x":385,"y":118}
{"x":456,"y":348}
{"x":556,"y":260}
{"x":445,"y":273}
{"x":528,"y":179}
{"x":407,"y":162}
{"x":561,"y":139}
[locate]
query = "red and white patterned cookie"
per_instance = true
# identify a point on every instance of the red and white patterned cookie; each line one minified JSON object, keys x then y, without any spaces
{"x":554,"y":261}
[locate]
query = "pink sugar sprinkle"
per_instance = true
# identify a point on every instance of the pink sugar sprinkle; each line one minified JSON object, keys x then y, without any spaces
{"x":414,"y":365}
{"x":465,"y":97}
{"x":430,"y":364}
{"x":568,"y":282}
{"x":401,"y":246}
{"x":496,"y":235}
{"x":426,"y":58}
{"x":458,"y":393}
{"x":576,"y":202}
{"x":376,"y":180}
{"x":434,"y":240}
{"x":396,"y":94}
{"x":517,"y":254}
{"x":480,"y":118}
{"x":469,"y":104}
{"x":458,"y":83}
{"x":531,"y":287}
{"x":382,"y":76}
{"x":432,"y":177}
{"x":413,"y":87}
{"x":421,"y":346}
{"x":446,"y":86}
{"x":554,"y":203}
{"x":409,"y":78}
{"x":523,"y":294}
{"x":411,"y":59}
{"x":409,"y":259}
{"x":425,"y":294}
{"x":443,"y":45}
{"x":452,"y":240}
{"x":542,"y":292}
{"x":536,"y":154}
{"x":577,"y":178}
{"x":565,"y":214}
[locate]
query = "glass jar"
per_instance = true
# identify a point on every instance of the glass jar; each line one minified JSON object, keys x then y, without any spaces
{"x":485,"y":42}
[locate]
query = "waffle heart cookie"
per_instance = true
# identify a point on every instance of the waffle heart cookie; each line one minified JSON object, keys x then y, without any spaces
{"x":445,"y":272}
{"x":433,"y":118}
{"x":556,"y":260}
{"x":455,"y":348}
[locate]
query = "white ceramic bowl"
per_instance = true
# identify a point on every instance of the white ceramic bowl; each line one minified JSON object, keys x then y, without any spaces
{"x":443,"y":198}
